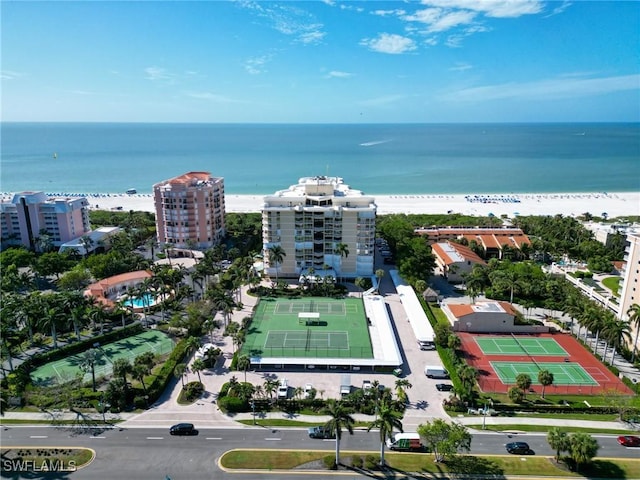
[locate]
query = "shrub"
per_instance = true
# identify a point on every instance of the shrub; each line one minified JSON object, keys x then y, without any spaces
{"x":330,"y":462}
{"x":193,"y":391}
{"x":356,"y":461}
{"x":140,"y":402}
{"x":233,"y":404}
{"x":371,"y":462}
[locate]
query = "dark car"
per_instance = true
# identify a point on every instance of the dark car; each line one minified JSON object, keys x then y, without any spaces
{"x":320,"y":432}
{"x":183,"y":429}
{"x":444,"y":387}
{"x":629,"y":441}
{"x":519,"y":448}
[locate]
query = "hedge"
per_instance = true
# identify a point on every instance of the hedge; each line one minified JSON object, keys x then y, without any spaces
{"x":165,"y":374}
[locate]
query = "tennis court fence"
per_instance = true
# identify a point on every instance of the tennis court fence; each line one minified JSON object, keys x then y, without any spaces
{"x":310,"y":351}
{"x":494,"y":385}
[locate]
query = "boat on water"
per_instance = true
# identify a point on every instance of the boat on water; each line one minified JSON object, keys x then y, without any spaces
{"x":131,"y":191}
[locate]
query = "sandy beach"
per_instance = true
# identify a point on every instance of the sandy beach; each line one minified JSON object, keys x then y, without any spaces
{"x":568,"y":204}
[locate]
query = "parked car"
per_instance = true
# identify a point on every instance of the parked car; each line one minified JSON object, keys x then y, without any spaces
{"x":320,"y":432}
{"x":283,"y":389}
{"x":183,"y":429}
{"x":629,"y":441}
{"x":521,"y":448}
{"x":202,"y":351}
{"x":308,"y":388}
{"x":367,"y":386}
{"x":444,"y":387}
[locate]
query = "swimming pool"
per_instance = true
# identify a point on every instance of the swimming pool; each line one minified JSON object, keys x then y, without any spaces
{"x":146,"y":300}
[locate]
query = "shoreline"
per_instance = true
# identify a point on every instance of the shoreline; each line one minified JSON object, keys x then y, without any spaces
{"x":614,"y":204}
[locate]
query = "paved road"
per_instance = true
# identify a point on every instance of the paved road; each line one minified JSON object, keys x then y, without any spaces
{"x":143,"y":453}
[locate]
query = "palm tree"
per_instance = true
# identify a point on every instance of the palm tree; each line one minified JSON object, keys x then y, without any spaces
{"x":191,"y":345}
{"x":582,"y":448}
{"x":87,"y":243}
{"x":523,"y":381}
{"x":387,"y":421}
{"x":558,"y":440}
{"x":276,"y":255}
{"x":402,"y":385}
{"x":343,"y":250}
{"x":379,"y":274}
{"x":270,"y":386}
{"x":243,"y":363}
{"x":50,"y":319}
{"x":340,"y":418}
{"x":617,"y":333}
{"x":180,"y":370}
{"x":88,"y":361}
{"x":197,"y":366}
{"x":545,"y":378}
{"x":634,"y":318}
{"x":122,"y":368}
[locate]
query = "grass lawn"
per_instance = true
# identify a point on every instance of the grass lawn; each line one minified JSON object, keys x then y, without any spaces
{"x":596,"y":417}
{"x":281,"y":422}
{"x":501,"y":465}
{"x":546,"y":428}
{"x":65,"y":458}
{"x":612,"y":283}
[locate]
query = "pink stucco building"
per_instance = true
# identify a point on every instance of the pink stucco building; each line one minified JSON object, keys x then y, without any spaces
{"x":28,"y":214}
{"x":190,"y":210}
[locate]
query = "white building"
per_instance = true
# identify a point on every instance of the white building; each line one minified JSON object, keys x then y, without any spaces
{"x":310,"y":220}
{"x":630,"y":292}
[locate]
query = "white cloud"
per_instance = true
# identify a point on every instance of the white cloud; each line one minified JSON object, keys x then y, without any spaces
{"x":157,"y":73}
{"x":288,"y":19}
{"x":384,"y":100}
{"x":256,"y":65}
{"x":559,"y":9}
{"x":461,"y":67}
{"x":212,"y":97}
{"x":439,"y":20}
{"x":10,"y":75}
{"x":311,"y":37}
{"x":550,"y":89}
{"x":491,"y":8}
{"x":386,"y":13}
{"x":389,"y":43}
{"x":338,"y":74}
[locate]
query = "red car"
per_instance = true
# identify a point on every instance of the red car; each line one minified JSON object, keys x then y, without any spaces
{"x":629,"y":441}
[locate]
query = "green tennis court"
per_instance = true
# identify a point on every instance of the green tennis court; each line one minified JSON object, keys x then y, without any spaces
{"x":68,"y":368}
{"x":563,"y":373}
{"x":520,"y":346}
{"x":309,"y":328}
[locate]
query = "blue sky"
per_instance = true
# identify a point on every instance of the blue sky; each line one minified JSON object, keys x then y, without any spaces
{"x":317,"y":62}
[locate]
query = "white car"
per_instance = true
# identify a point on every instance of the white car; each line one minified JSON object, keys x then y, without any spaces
{"x":204,"y":349}
{"x":283,"y":389}
{"x":307,"y":390}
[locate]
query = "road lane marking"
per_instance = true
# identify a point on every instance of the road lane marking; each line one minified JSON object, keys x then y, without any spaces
{"x":97,"y":437}
{"x":155,"y":438}
{"x":276,"y":439}
{"x":39,"y":436}
{"x":213,"y":438}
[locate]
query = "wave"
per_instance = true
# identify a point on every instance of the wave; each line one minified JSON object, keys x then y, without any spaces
{"x":376,"y":142}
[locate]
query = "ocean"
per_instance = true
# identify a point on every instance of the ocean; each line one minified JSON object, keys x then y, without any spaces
{"x":374,"y":158}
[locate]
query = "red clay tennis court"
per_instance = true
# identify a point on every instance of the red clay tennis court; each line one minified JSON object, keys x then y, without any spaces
{"x":499,"y":358}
